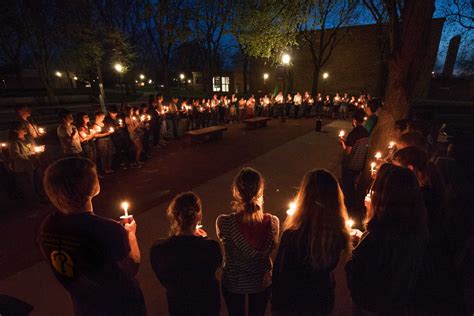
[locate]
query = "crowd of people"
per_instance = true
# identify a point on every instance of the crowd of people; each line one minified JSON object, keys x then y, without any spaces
{"x":412,"y":254}
{"x":125,"y":137}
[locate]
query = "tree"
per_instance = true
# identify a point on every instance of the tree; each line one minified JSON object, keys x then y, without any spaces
{"x":209,"y":22}
{"x":409,"y":27}
{"x":315,"y":32}
{"x":165,"y":28}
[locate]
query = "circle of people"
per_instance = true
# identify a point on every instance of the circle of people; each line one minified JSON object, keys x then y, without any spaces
{"x":411,"y":257}
{"x":124,"y":137}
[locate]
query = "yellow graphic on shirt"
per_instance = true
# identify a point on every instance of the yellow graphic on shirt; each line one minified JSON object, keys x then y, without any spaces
{"x":62,"y":263}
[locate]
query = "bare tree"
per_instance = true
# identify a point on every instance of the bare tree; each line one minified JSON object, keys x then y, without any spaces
{"x":324,"y":29}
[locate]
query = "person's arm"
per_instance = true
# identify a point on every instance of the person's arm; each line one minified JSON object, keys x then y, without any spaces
{"x":84,"y":137}
{"x":63,"y":133}
{"x":130,"y":263}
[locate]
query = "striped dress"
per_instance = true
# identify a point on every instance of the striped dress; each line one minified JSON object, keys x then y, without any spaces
{"x":246,"y":270}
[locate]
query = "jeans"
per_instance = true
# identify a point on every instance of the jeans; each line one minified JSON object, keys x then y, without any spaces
{"x":236,"y":302}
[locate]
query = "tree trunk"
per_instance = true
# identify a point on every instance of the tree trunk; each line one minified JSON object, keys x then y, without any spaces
{"x":245,"y":74}
{"x":406,"y":46}
{"x":382,"y":70}
{"x":316,"y":72}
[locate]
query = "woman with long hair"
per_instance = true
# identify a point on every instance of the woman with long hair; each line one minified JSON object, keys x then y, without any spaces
{"x":86,"y":135}
{"x":186,"y":262}
{"x":248,"y":236}
{"x":133,"y":128}
{"x":314,"y":237}
{"x":383,"y":271}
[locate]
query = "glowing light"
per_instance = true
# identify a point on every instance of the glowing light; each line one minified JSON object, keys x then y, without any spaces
{"x":265,"y":76}
{"x":325,"y":75}
{"x":181,"y":76}
{"x":75,"y":78}
{"x":378,"y":155}
{"x":342,"y":133}
{"x":349,"y":223}
{"x":3,"y":145}
{"x":58,"y":74}
{"x":125,"y":207}
{"x":291,"y":208}
{"x":285,"y":59}
{"x":142,"y":76}
{"x":118,"y":67}
{"x":392,"y":144}
{"x":111,"y":130}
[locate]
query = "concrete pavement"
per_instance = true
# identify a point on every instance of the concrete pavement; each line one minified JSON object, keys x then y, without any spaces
{"x":283,"y":168}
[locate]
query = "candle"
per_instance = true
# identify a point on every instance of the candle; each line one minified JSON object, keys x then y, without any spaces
{"x":41,"y":130}
{"x":111,"y":130}
{"x":365,"y":118}
{"x":39,"y":149}
{"x":391,"y":145}
{"x":349,"y":223}
{"x":291,"y":208}
{"x":342,"y":133}
{"x":3,"y":145}
{"x":126,"y":218}
{"x":148,"y":117}
{"x":99,"y":129}
{"x":142,"y":118}
{"x":368,"y":197}
{"x":372,"y":167}
{"x":125,"y":206}
{"x":378,"y":155}
{"x":198,"y":226}
{"x":134,"y":118}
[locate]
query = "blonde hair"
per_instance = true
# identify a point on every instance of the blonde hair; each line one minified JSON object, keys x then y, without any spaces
{"x":319,"y":219}
{"x":70,"y":183}
{"x":183,"y":212}
{"x":247,"y":191}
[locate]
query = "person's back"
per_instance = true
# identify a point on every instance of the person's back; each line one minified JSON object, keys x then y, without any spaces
{"x":186,"y":266}
{"x":94,"y":258}
{"x":315,"y":236}
{"x":83,"y":251}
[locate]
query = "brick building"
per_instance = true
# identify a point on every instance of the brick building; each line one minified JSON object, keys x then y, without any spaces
{"x":352,"y":66}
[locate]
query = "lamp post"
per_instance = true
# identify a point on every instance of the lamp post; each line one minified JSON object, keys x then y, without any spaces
{"x":285,"y":60}
{"x":265,"y":77}
{"x":325,"y":76}
{"x":120,"y":70}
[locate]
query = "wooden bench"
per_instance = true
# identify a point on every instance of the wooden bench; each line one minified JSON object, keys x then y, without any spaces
{"x":207,"y":133}
{"x":256,"y":122}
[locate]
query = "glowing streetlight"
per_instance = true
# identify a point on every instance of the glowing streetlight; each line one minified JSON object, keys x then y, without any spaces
{"x":150,"y":81}
{"x":189,"y":80}
{"x":59,"y":74}
{"x":75,"y":78}
{"x":325,"y":75}
{"x":118,"y":67}
{"x":285,"y":59}
{"x":181,"y":76}
{"x":142,"y":76}
{"x":265,"y":76}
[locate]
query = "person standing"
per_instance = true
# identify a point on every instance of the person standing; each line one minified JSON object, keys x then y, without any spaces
{"x":86,"y":135}
{"x":23,"y":114}
{"x":103,"y":143}
{"x":280,"y":101}
{"x":68,"y":135}
{"x":384,"y":269}
{"x":314,"y":238}
{"x":174,"y":116}
{"x":120,"y":139}
{"x":155,"y":122}
{"x":186,"y":262}
{"x":288,"y":104}
{"x":133,"y":125}
{"x":242,"y":109}
{"x":297,"y":100}
{"x":94,"y":258}
{"x":248,"y":236}
{"x":372,"y":118}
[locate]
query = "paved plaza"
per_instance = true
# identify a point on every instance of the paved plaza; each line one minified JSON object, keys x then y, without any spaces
{"x":282,"y":153}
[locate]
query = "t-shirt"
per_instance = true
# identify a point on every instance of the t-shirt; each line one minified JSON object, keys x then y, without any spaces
{"x":70,"y":145}
{"x":186,"y":266}
{"x":370,"y":123}
{"x":83,"y":251}
{"x":357,"y":133}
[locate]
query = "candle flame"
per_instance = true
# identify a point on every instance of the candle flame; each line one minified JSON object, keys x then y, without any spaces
{"x":291,"y":208}
{"x":198,"y":226}
{"x":41,"y":130}
{"x":342,"y":133}
{"x":111,"y":130}
{"x":349,"y":223}
{"x":378,"y":155}
{"x":391,"y":144}
{"x":372,"y":165}
{"x":4,"y":144}
{"x":125,"y":206}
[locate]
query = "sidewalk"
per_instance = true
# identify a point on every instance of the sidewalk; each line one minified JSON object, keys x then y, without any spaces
{"x":282,"y":167}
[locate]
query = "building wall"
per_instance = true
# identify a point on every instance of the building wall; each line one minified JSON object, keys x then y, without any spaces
{"x":352,"y":65}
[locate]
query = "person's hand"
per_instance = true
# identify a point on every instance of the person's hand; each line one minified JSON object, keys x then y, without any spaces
{"x":200,"y":232}
{"x":355,"y":236}
{"x":131,"y":227}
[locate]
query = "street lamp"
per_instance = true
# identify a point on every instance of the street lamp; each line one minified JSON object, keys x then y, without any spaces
{"x":142,"y":76}
{"x":265,"y":77}
{"x":325,"y":76}
{"x":181,"y":76}
{"x":285,"y":60}
{"x":75,"y":78}
{"x":120,"y":69}
{"x":58,"y":74}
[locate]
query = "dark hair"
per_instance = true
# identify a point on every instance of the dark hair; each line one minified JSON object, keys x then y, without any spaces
{"x":63,"y":113}
{"x":183,"y":212}
{"x":20,"y":107}
{"x":373,"y":104}
{"x":14,"y":128}
{"x":97,"y":113}
{"x":143,"y":105}
{"x":413,"y":139}
{"x":401,"y":124}
{"x":80,"y":118}
{"x":396,"y":202}
{"x":112,"y":109}
{"x":359,"y":116}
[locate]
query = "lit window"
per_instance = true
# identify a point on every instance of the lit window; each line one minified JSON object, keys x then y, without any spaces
{"x":216,"y":84}
{"x":225,"y":84}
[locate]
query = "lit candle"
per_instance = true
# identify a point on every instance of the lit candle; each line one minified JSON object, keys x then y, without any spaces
{"x":342,"y":133}
{"x":3,"y":145}
{"x":372,"y":167}
{"x":41,"y":130}
{"x":111,"y":130}
{"x":99,"y":129}
{"x":391,"y":145}
{"x":291,"y":208}
{"x":148,"y":117}
{"x":378,"y":155}
{"x":349,"y":223}
{"x":365,"y":118}
{"x":198,"y":226}
{"x":134,"y":118}
{"x":39,"y":149}
{"x":125,"y":206}
{"x":120,"y":122}
{"x":142,"y":118}
{"x":368,"y":197}
{"x":126,"y":218}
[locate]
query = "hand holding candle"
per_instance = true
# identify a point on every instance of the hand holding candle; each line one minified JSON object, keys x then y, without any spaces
{"x":41,"y":131}
{"x":3,"y":145}
{"x":111,"y":130}
{"x":372,"y":168}
{"x":378,"y":155}
{"x":342,"y":133}
{"x":39,"y":149}
{"x":391,"y":145}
